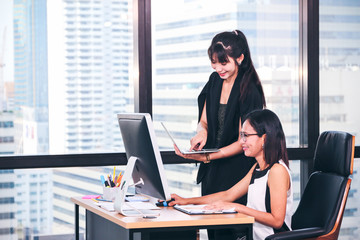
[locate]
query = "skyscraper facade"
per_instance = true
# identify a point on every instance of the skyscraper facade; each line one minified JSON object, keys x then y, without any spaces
{"x":8,"y":221}
{"x":33,"y":188}
{"x":30,"y":71}
{"x":97,"y":59}
{"x":98,"y":45}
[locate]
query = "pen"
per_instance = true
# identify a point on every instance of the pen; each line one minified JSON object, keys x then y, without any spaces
{"x":116,"y":178}
{"x":102,"y":179}
{"x":108,"y":179}
{"x":95,"y":200}
{"x":114,"y":174}
{"x":103,"y":200}
{"x":107,"y":183}
{"x":119,"y":178}
{"x":123,"y":185}
{"x":111,"y":183}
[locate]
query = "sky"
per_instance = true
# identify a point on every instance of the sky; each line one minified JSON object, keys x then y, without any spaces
{"x":6,"y":26}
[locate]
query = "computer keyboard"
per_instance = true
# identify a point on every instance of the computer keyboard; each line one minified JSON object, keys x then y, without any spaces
{"x":127,"y":206}
{"x":139,"y":205}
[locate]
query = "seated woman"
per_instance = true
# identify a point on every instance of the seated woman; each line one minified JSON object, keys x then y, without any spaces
{"x":268,"y":183}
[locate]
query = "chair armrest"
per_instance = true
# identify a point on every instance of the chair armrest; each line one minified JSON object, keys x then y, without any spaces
{"x":297,"y":234}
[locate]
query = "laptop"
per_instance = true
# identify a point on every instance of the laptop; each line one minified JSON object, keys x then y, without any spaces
{"x":200,"y":210}
{"x":187,"y":151}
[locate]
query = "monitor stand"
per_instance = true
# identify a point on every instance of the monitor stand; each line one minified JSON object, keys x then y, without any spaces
{"x":126,"y":182}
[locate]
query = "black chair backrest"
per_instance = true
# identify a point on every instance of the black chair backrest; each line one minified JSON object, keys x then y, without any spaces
{"x":324,"y":191}
{"x":333,"y":153}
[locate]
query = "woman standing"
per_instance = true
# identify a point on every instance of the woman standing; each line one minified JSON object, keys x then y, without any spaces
{"x":233,"y":90}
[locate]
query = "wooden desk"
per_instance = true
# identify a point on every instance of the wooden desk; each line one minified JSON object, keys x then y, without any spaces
{"x":171,"y":224}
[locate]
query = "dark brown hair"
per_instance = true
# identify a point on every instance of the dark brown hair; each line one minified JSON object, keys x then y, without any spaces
{"x":267,"y":122}
{"x":233,"y":44}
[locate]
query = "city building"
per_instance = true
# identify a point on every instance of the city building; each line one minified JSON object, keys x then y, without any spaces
{"x":8,"y":208}
{"x":98,"y":47}
{"x":31,"y":120}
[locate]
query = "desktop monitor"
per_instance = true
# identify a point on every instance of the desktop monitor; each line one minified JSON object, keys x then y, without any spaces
{"x":140,"y":142}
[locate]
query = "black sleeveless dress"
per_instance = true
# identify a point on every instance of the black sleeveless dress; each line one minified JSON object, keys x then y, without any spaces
{"x":222,"y":174}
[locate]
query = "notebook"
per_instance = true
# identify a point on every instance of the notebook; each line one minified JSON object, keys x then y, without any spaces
{"x":199,"y":210}
{"x":187,"y":151}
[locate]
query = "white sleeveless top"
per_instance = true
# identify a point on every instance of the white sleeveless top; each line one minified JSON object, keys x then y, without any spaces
{"x":259,"y":199}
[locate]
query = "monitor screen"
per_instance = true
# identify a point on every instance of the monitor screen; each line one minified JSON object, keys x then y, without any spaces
{"x":140,"y":141}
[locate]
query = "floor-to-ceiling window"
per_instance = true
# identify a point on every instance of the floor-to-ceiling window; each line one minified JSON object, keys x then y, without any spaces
{"x":65,"y":70}
{"x":181,"y":34}
{"x":339,"y":82}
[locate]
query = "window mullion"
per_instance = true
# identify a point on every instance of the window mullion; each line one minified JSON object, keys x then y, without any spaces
{"x":142,"y":56}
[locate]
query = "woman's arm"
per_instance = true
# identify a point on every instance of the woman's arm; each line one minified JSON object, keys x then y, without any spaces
{"x":279,"y":183}
{"x":199,"y":140}
{"x":230,"y":195}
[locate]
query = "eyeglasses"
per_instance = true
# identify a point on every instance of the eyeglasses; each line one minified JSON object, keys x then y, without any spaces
{"x":244,"y":135}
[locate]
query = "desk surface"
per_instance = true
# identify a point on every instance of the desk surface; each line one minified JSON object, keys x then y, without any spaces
{"x":169,"y":217}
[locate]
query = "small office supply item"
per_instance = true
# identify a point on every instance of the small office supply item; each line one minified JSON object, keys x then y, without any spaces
{"x":107,"y":184}
{"x":114,"y":175}
{"x":186,"y":151}
{"x":102,"y":180}
{"x":108,"y":206}
{"x":90,"y":196}
{"x":130,"y":206}
{"x":136,"y":199}
{"x":140,"y":205}
{"x":103,"y":200}
{"x":118,"y":180}
{"x":164,"y":203}
{"x":110,"y":193}
{"x":192,"y":209}
{"x":110,"y":181}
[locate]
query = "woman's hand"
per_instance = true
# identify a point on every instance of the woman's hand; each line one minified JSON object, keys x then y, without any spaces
{"x":222,"y":205}
{"x":199,"y":140}
{"x":177,"y":200}
{"x":196,"y":157}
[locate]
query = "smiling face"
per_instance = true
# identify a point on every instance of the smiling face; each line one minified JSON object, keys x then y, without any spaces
{"x":226,"y":70}
{"x":252,"y":144}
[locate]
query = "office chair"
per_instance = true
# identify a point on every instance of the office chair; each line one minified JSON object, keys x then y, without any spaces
{"x":322,"y":204}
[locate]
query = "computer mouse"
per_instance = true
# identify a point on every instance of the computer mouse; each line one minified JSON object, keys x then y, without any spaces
{"x":164,"y":203}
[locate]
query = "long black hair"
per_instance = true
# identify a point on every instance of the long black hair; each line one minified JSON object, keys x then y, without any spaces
{"x":267,"y":122}
{"x":233,"y":44}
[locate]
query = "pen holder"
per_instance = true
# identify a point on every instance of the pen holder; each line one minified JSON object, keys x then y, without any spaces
{"x":110,"y":193}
